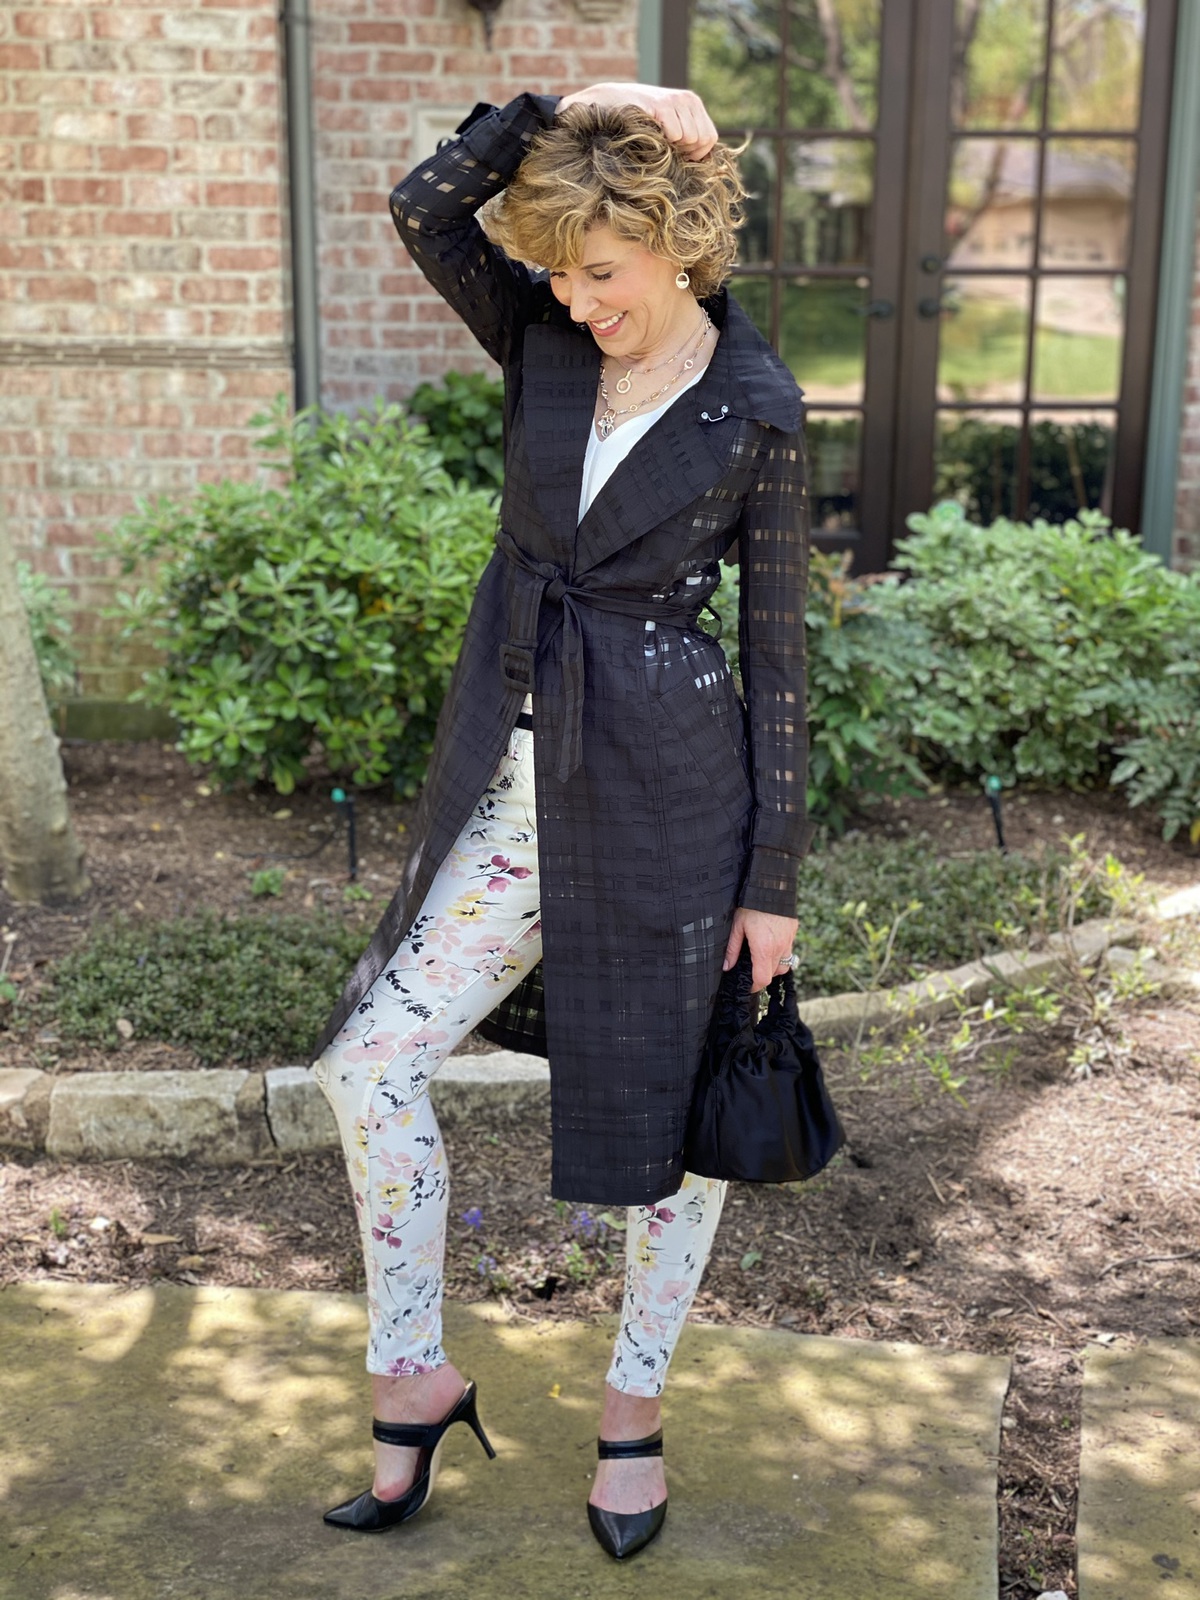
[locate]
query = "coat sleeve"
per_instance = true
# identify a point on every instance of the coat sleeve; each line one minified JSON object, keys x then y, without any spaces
{"x":773,"y":537}
{"x":434,"y":212}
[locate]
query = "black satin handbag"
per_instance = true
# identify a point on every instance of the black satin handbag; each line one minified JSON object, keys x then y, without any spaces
{"x":760,"y":1112}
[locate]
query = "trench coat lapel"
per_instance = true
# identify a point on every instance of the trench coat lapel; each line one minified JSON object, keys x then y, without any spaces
{"x":561,"y":372}
{"x":690,"y":447}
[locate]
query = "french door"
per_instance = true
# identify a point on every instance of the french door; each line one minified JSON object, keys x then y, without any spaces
{"x":952,"y":238}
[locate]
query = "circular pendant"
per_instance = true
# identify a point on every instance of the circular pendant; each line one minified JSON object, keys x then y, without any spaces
{"x":624,"y":385}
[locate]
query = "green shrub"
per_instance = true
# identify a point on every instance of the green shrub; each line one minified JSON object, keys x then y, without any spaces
{"x":323,"y":615}
{"x":236,"y":989}
{"x":50,"y":625}
{"x":969,"y":906}
{"x":860,"y":667}
{"x":1162,"y":764}
{"x":1041,"y":642}
{"x":465,"y":417}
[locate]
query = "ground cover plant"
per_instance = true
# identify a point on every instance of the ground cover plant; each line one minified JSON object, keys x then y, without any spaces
{"x":319,"y":616}
{"x":229,"y":989}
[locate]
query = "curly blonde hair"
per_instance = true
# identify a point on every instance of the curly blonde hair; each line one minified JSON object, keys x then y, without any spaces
{"x":614,"y":167}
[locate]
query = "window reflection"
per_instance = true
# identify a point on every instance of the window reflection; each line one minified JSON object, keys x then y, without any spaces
{"x":1096,"y":63}
{"x":991,"y":203}
{"x":984,"y":333}
{"x":756,"y":237}
{"x":976,"y":463}
{"x":734,"y":61}
{"x":1070,"y":464}
{"x":1078,"y":338}
{"x":834,"y":450}
{"x":999,"y":50}
{"x":827,"y":202}
{"x":833,"y":64}
{"x":1087,"y":199}
{"x":823,"y":337}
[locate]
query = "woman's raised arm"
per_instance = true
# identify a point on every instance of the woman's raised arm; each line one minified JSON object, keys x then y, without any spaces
{"x":434,"y":211}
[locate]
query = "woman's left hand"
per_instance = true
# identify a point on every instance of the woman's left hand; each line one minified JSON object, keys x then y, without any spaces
{"x":770,"y":939}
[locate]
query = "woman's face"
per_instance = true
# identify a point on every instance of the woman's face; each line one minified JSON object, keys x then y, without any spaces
{"x":627,"y":296}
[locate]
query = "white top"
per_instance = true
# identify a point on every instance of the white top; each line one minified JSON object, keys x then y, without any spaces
{"x":604,"y":456}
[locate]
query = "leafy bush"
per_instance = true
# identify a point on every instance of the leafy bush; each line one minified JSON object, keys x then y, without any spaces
{"x":321,"y":615}
{"x":969,"y":906}
{"x":1041,"y":643}
{"x":232,"y":989}
{"x":1163,"y":763}
{"x":465,"y":418}
{"x":50,"y":625}
{"x":860,"y":668}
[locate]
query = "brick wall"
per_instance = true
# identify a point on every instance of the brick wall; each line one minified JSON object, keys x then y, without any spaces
{"x":143,"y":284}
{"x":1186,"y":548}
{"x":384,"y":70}
{"x":144,"y":280}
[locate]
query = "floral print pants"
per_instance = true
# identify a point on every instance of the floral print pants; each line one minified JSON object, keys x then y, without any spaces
{"x":477,"y":934}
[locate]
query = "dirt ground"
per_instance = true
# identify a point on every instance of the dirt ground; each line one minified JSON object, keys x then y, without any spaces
{"x":1043,"y":1212}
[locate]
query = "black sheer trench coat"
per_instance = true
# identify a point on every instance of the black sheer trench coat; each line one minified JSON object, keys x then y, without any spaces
{"x":663,"y":801}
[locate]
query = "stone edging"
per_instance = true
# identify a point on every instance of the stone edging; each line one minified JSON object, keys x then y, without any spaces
{"x":227,"y":1116}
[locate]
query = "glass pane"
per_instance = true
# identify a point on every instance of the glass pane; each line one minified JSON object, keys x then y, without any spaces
{"x":1077,"y":339}
{"x":756,"y":237}
{"x":835,"y":451}
{"x":999,"y":62}
{"x":823,"y":337}
{"x":990,"y":207}
{"x":733,"y":61}
{"x":1070,"y":464}
{"x":981,"y":352}
{"x":827,"y":202}
{"x":833,"y":63}
{"x":754,"y":297}
{"x":1087,"y":198}
{"x":1096,"y":63}
{"x":976,"y":463}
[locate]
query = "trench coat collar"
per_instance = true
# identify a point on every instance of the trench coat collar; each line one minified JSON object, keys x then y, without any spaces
{"x":682,"y":456}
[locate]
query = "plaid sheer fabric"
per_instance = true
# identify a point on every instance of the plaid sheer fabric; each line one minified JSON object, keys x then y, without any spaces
{"x":664,"y":801}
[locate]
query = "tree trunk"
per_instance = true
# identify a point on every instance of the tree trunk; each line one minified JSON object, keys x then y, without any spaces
{"x":39,"y":854}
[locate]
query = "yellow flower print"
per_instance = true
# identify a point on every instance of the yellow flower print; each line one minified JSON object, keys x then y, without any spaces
{"x":394,"y":1194}
{"x":360,"y":1132}
{"x":468,"y":906}
{"x":644,"y":1256}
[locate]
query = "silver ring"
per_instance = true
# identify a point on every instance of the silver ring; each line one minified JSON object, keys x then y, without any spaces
{"x":786,"y":963}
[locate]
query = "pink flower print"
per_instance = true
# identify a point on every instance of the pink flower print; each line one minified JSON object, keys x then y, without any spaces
{"x":502,"y":862}
{"x":386,"y":1230}
{"x":520,"y":872}
{"x":497,"y":885}
{"x":406,"y":1367}
{"x":435,"y":968}
{"x":673,"y":1289}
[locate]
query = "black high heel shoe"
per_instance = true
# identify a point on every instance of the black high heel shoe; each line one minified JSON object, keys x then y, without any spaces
{"x":366,"y":1514}
{"x":623,"y":1533}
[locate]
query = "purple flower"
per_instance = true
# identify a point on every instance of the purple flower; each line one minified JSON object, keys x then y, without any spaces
{"x":473,"y":1218}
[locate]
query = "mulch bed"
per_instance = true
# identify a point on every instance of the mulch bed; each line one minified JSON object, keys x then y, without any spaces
{"x":1039,"y":1216}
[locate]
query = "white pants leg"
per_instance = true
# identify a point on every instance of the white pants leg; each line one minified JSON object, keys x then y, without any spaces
{"x":477,"y":934}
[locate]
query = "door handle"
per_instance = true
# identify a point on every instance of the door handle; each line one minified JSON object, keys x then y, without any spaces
{"x":934,"y":305}
{"x":875,"y":308}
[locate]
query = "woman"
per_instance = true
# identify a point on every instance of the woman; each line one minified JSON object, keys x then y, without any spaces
{"x":603,"y":822}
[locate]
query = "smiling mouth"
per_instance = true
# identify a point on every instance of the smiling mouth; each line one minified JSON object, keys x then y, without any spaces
{"x":609,"y":326}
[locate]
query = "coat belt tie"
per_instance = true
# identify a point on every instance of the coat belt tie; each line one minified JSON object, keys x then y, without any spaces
{"x":529,"y":583}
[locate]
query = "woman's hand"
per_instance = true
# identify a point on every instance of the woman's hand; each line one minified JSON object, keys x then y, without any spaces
{"x":679,"y":113}
{"x":770,"y":939}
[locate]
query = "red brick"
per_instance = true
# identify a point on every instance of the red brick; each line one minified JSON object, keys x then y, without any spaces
{"x":61,"y":287}
{"x":256,"y":258}
{"x":52,"y":156}
{"x":240,"y":194}
{"x":133,"y":158}
{"x":20,"y":58}
{"x":62,"y":24}
{"x":140,"y":224}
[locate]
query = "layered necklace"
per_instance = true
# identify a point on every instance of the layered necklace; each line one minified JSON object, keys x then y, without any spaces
{"x":608,"y":420}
